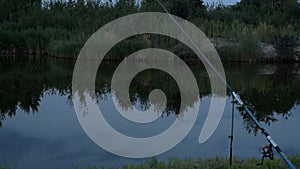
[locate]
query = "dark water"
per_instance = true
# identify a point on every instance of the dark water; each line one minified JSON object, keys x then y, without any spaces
{"x":39,"y":127}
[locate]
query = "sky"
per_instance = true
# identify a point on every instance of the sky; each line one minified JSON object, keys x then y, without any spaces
{"x":225,"y":2}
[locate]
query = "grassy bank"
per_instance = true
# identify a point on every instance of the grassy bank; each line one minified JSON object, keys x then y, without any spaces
{"x":60,"y":29}
{"x":210,"y":163}
{"x":214,"y":163}
{"x":233,"y":41}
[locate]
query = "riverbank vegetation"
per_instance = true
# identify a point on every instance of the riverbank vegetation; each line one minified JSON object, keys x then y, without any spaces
{"x":209,"y":163}
{"x":212,"y":163}
{"x":239,"y":32}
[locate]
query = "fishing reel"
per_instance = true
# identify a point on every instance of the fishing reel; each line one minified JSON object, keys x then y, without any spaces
{"x":267,"y":152}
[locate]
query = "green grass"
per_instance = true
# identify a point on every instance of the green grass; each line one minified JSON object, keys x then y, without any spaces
{"x":243,"y":39}
{"x":65,"y":49}
{"x":214,"y":163}
{"x":60,"y":29}
{"x":210,"y":163}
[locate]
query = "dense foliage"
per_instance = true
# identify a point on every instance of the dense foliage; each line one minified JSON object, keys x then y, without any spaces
{"x":60,"y":28}
{"x":211,"y":163}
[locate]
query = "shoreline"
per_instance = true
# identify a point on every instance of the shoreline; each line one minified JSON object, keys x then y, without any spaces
{"x":200,"y":163}
{"x":228,"y":52}
{"x":248,"y":61}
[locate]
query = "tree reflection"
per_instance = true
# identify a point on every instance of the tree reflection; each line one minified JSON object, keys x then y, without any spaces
{"x":273,"y":94}
{"x":146,"y":81}
{"x":268,"y":90}
{"x":24,"y":84}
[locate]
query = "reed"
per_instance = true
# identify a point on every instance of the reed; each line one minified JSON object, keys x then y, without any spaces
{"x":60,"y":28}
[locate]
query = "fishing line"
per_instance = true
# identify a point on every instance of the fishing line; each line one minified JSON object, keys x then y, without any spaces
{"x":235,"y":95}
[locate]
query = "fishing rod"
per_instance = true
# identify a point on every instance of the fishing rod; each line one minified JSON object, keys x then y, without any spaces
{"x":234,"y":94}
{"x":231,"y":133}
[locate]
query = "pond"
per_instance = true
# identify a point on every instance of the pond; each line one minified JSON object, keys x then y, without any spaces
{"x":40,"y":129}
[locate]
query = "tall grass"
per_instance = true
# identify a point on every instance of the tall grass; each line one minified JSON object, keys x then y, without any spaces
{"x":57,"y":27}
{"x":64,"y":48}
{"x":210,"y":163}
{"x":213,"y":163}
{"x":286,"y":36}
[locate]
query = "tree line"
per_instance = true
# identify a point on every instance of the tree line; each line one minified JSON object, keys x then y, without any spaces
{"x":60,"y":28}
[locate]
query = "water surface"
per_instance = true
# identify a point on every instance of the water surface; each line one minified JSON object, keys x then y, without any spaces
{"x":39,"y":127}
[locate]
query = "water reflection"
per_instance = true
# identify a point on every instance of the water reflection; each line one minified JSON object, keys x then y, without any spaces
{"x":273,"y":94}
{"x":268,"y":90}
